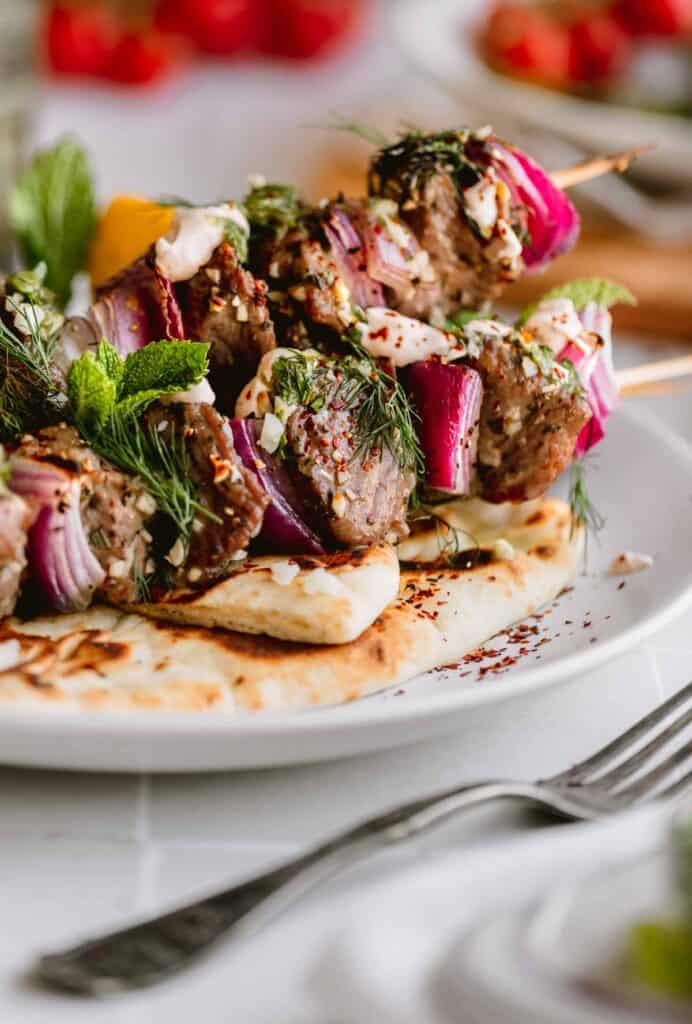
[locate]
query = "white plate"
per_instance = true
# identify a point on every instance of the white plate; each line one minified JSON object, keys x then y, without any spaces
{"x":438,"y":39}
{"x":641,"y":476}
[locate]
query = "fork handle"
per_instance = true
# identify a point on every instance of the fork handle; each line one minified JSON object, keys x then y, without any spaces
{"x":146,"y":953}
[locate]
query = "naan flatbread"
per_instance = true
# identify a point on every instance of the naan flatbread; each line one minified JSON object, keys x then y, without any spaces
{"x":316,"y":600}
{"x":108,"y":659}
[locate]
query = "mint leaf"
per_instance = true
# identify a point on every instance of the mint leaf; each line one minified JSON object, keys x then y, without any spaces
{"x":165,"y":367}
{"x":582,"y":291}
{"x":134,"y":405}
{"x":108,"y":357}
{"x":52,"y":213}
{"x":92,"y":394}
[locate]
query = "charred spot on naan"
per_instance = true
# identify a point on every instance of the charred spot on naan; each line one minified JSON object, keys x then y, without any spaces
{"x":43,"y":659}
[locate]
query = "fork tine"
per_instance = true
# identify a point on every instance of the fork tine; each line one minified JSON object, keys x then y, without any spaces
{"x":622,"y":744}
{"x":679,"y":788}
{"x":644,"y":755}
{"x":644,"y":787}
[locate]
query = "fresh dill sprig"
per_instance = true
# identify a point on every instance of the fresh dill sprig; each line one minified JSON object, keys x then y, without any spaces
{"x":161,"y":466}
{"x":403,"y":167}
{"x":296,"y":382}
{"x":362,"y":130}
{"x":584,"y":512}
{"x":383,"y":414}
{"x":29,"y":330}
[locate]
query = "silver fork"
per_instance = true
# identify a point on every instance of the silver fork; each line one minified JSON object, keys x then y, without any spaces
{"x":623,"y":775}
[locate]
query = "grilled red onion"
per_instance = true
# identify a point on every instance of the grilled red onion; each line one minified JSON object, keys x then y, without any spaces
{"x":448,"y":400}
{"x":596,"y":373}
{"x":284,"y":528}
{"x":136,"y":307}
{"x":347,"y":253}
{"x":58,"y":550}
{"x":552,"y":221}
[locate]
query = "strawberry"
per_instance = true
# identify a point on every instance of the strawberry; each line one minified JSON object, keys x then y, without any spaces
{"x":599,"y":48}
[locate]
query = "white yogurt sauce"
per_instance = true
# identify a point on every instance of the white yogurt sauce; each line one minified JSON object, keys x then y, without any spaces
{"x":195,"y":234}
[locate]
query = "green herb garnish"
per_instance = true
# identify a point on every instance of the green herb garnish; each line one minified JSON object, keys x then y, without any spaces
{"x":52,"y":213}
{"x":108,"y":395}
{"x":402,"y":169}
{"x":382,"y":412}
{"x":584,"y":512}
{"x":459,"y":319}
{"x":29,"y":329}
{"x":583,"y":291}
{"x":273,"y":209}
{"x":659,"y":955}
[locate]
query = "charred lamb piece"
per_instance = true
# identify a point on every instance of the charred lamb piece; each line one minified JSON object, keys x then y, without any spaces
{"x":90,"y":535}
{"x":532,"y":413}
{"x":305,"y":286}
{"x":229,"y":492}
{"x":356,"y":499}
{"x":433,"y":180}
{"x":226,"y":306}
{"x":344,"y":255}
{"x":15,"y":520}
{"x":342,"y":430}
{"x":482,"y":210}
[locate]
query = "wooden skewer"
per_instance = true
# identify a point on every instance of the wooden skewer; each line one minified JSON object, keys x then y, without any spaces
{"x":594,"y":167}
{"x":637,"y":378}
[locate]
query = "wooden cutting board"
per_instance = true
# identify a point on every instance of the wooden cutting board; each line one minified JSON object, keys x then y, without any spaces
{"x":660,"y":276}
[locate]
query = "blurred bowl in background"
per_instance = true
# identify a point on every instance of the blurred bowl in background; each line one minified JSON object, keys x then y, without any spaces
{"x":440,"y":40}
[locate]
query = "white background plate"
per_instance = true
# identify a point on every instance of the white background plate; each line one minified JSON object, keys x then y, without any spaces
{"x":440,"y":43}
{"x":641,"y":476}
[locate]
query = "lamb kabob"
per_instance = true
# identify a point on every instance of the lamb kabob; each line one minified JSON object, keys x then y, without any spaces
{"x":133,"y":477}
{"x":451,"y":219}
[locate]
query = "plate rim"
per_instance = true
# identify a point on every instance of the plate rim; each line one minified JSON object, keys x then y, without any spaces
{"x":361,"y":712}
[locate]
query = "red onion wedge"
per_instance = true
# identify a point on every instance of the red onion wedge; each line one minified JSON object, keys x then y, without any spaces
{"x":136,"y":307}
{"x":596,"y":373}
{"x":283,"y":529}
{"x":61,"y":560}
{"x":552,"y":221}
{"x":448,"y":400}
{"x":347,"y":253}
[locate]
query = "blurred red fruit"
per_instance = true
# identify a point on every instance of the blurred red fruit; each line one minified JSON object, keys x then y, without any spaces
{"x":142,"y":57}
{"x":301,"y":29}
{"x":527,"y":43}
{"x":79,"y":40}
{"x":599,"y":48}
{"x":221,"y":27}
{"x":669,"y":18}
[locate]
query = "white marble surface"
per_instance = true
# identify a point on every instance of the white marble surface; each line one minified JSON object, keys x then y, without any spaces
{"x":79,"y":853}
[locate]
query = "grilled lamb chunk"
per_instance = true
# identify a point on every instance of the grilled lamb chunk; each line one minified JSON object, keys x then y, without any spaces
{"x":354,"y":501}
{"x":226,"y":489}
{"x":115,"y":510}
{"x":428,"y":176}
{"x":225,"y":305}
{"x":530,"y":420}
{"x":15,"y":519}
{"x":304,"y":284}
